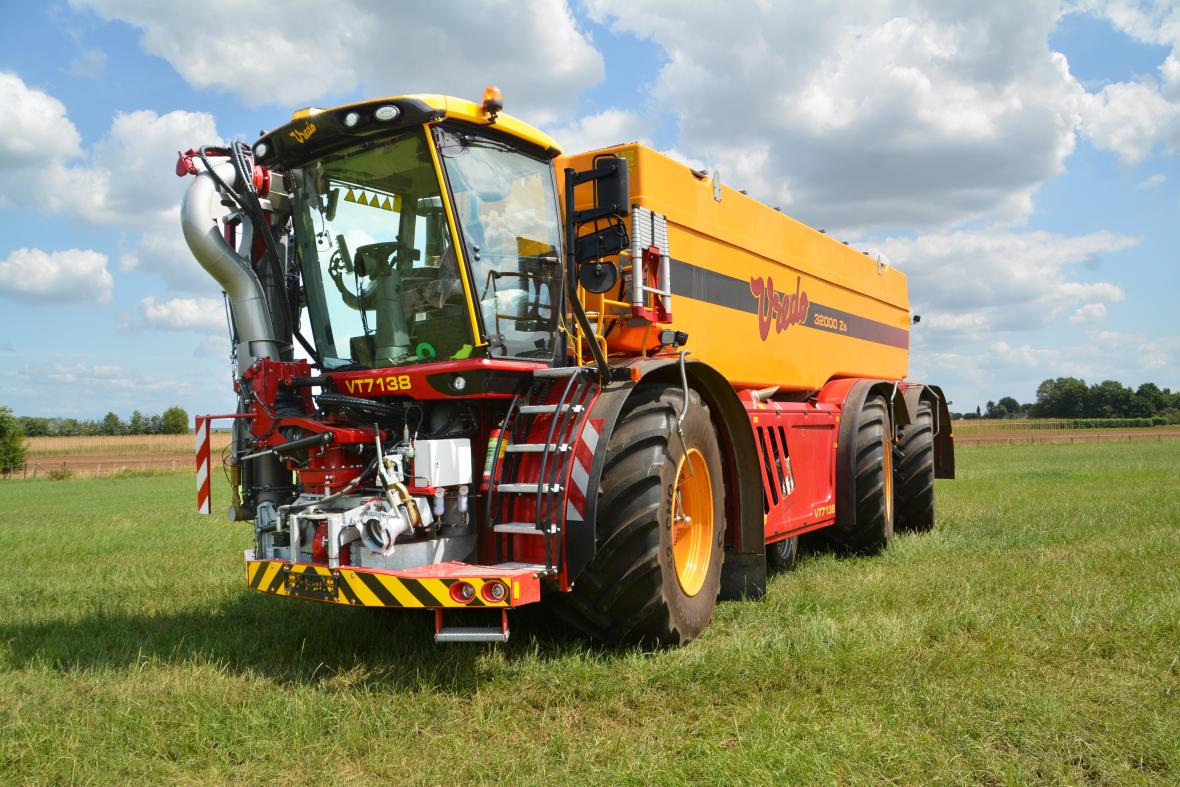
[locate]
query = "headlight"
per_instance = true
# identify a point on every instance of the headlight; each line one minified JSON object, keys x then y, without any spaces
{"x":351,"y":119}
{"x":386,"y":113}
{"x":261,"y":149}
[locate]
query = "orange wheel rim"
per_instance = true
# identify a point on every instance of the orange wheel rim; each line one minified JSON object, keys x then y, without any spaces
{"x":692,"y":522}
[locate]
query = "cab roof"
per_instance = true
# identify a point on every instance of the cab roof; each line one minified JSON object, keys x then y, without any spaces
{"x":314,"y":132}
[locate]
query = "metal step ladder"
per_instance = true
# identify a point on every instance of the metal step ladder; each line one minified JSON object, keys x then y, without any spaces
{"x":444,"y":633}
{"x":532,"y":460}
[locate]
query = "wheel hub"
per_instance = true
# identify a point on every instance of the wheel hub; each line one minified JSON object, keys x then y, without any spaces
{"x":692,"y":522}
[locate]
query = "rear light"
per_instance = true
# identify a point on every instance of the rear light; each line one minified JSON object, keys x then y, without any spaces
{"x":494,"y":592}
{"x":463,"y":592}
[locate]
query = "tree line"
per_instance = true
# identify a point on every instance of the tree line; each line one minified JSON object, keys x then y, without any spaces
{"x":1071,"y":397}
{"x":14,"y":430}
{"x":174,"y":420}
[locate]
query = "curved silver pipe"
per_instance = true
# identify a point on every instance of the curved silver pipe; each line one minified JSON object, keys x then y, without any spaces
{"x":198,"y":217}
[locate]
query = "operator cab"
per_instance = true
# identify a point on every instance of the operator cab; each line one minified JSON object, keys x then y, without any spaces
{"x":423,"y":237}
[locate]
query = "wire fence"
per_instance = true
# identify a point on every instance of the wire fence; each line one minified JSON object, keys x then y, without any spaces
{"x":1029,"y":437}
{"x":981,"y":426}
{"x":121,"y":445}
{"x":83,"y":468}
{"x":103,"y":455}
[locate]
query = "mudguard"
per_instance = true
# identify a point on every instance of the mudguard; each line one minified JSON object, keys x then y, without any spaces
{"x":743,"y":573}
{"x":944,"y":442}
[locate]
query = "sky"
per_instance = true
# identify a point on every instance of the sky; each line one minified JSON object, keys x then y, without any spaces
{"x":1016,"y":159}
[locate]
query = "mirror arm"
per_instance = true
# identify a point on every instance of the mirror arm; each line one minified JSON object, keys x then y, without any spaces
{"x":572,"y":179}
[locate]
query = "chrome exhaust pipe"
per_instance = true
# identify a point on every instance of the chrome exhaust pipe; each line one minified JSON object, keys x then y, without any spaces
{"x":199,"y":212}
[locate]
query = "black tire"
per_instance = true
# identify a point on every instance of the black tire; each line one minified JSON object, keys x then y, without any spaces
{"x":867,"y":527}
{"x":631,"y":592}
{"x":782,"y":554}
{"x":914,"y":473}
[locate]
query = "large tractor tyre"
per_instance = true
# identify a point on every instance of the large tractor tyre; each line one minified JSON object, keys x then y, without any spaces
{"x":660,"y":527}
{"x":915,"y":473}
{"x":868,"y":527}
{"x":782,"y":554}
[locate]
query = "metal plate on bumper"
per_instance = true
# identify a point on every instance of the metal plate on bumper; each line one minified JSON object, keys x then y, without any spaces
{"x":307,"y":584}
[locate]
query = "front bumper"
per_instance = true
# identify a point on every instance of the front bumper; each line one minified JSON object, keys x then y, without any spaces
{"x":425,"y":587}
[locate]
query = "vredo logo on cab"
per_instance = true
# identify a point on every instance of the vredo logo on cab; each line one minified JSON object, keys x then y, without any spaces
{"x":778,"y":308}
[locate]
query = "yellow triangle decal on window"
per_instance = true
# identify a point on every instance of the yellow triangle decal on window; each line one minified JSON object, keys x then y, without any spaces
{"x":374,"y":202}
{"x":386,"y":205}
{"x":350,"y":197}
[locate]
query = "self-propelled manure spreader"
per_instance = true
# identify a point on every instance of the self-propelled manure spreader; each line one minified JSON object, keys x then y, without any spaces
{"x":473,"y":372}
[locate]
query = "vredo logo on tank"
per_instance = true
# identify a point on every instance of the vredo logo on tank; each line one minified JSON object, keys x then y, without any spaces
{"x":778,"y":308}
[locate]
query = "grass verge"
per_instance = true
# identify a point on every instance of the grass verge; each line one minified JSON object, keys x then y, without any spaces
{"x":1035,"y":636}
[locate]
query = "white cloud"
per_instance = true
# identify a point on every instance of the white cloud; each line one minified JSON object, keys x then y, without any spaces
{"x":1091,"y":312}
{"x":126,"y":180}
{"x":73,"y":275}
{"x":911,"y":113}
{"x":129,"y":178}
{"x":214,"y":345}
{"x":87,"y":376}
{"x":976,"y":372}
{"x":313,"y":51}
{"x":1155,"y":181}
{"x":600,"y":130}
{"x":973,"y":283}
{"x":1130,"y":118}
{"x":183,"y":313}
{"x":160,"y":249}
{"x":37,"y":131}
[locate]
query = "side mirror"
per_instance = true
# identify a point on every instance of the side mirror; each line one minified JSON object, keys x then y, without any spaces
{"x":612,"y":187}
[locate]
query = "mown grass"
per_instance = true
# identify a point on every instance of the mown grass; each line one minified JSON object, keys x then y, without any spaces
{"x":1035,"y":636}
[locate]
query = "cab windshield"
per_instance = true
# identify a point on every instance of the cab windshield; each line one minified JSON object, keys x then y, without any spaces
{"x":382,"y":279}
{"x":507,"y":212}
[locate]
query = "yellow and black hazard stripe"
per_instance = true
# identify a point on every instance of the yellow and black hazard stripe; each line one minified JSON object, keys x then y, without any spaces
{"x":357,"y":587}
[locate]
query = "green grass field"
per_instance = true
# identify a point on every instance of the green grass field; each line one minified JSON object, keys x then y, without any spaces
{"x":1034,"y":637}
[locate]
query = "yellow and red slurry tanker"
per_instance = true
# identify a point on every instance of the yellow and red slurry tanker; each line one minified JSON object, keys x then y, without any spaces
{"x":473,"y":372}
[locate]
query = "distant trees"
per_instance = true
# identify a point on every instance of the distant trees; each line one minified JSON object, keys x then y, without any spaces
{"x":1070,"y":397}
{"x":12,"y":441}
{"x":1062,"y":397}
{"x":1007,"y":407}
{"x":173,"y":421}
